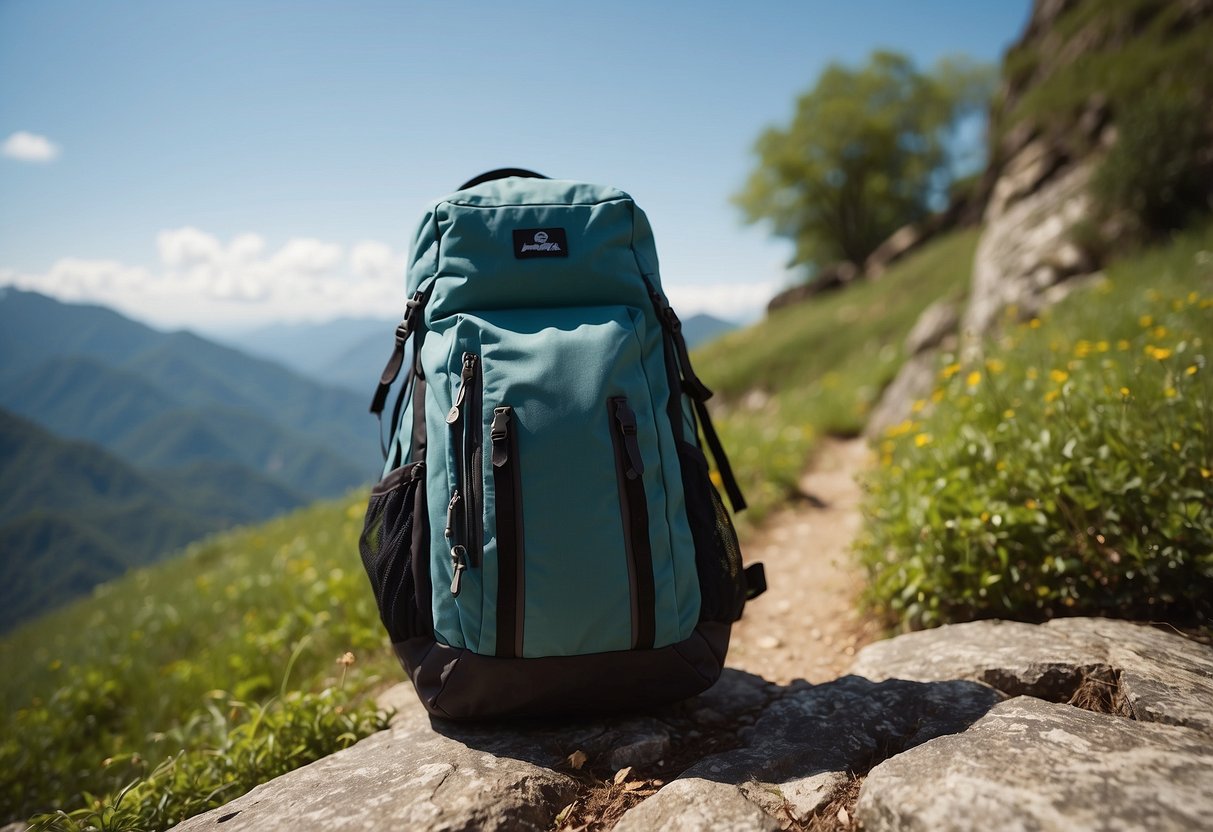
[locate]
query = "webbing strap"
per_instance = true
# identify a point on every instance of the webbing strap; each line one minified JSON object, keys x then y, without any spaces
{"x":698,"y":393}
{"x":391,"y":370}
{"x":722,"y":460}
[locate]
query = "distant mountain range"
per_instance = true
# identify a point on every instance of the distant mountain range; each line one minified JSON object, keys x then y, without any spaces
{"x":184,"y":436}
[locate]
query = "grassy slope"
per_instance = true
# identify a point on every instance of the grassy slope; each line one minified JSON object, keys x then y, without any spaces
{"x":819,"y":367}
{"x":98,"y":677}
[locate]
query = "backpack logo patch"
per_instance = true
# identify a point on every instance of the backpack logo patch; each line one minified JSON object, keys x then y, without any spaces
{"x":540,"y":242}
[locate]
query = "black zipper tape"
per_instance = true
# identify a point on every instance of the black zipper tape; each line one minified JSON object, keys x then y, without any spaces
{"x":629,"y":469}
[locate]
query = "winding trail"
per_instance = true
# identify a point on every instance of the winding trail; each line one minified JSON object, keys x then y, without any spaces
{"x":807,"y":625}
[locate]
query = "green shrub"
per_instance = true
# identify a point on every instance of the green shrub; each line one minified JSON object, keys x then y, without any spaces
{"x":1161,"y":168}
{"x":228,"y":749}
{"x":1070,"y":473}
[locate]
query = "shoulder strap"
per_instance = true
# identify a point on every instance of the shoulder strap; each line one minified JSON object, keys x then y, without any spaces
{"x":699,"y":393}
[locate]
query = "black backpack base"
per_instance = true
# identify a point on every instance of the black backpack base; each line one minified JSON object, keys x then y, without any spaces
{"x":454,"y":683}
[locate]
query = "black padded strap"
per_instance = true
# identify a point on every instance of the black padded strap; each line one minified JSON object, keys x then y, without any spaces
{"x":755,"y":581}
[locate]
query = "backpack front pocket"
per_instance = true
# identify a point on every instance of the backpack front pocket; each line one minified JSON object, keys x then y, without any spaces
{"x":393,"y":545}
{"x":543,"y":401}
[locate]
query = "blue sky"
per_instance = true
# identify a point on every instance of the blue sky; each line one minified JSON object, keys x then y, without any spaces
{"x":221,"y":164}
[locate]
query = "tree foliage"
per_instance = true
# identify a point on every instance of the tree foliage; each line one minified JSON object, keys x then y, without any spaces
{"x":866,"y":150}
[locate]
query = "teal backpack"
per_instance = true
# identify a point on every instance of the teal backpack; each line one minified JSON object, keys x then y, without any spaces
{"x":546,"y":537}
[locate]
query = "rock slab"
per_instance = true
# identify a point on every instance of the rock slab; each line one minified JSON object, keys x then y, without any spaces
{"x":1036,"y":765}
{"x":962,"y":727}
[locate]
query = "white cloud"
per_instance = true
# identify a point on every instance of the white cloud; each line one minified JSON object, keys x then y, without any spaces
{"x":183,"y":247}
{"x":29,"y":147}
{"x":307,"y":255}
{"x":377,"y":261}
{"x":205,"y":283}
{"x":740,"y":302}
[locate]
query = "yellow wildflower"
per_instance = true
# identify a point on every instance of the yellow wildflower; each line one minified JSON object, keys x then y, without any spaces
{"x":922,"y":439}
{"x":937,"y":396}
{"x":918,"y":405}
{"x":1146,"y":321}
{"x":1191,"y":371}
{"x":1034,"y":323}
{"x":716,"y":479}
{"x":995,"y":366}
{"x":949,"y":371}
{"x":1059,"y":376}
{"x":1052,"y":395}
{"x":1101,"y":346}
{"x":1193,"y":297}
{"x":1031,"y":374}
{"x":1124,"y":391}
{"x":1030,"y":503}
{"x":1206,"y":473}
{"x":1175,"y":446}
{"x":1008,"y":414}
{"x":1170,"y":392}
{"x":1083,"y":348}
{"x":1159,"y":332}
{"x":1158,"y":353}
{"x":1000,"y":465}
{"x":973,"y":379}
{"x":985,"y":516}
{"x":1122,"y":345}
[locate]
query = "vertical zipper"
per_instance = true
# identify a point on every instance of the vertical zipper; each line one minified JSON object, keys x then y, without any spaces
{"x":634,"y":510}
{"x":463,"y":511}
{"x":507,"y":490}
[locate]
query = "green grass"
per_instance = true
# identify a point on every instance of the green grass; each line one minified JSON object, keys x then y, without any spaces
{"x":817,"y":368}
{"x":125,"y":672}
{"x":1070,"y":472}
{"x":1134,"y":48}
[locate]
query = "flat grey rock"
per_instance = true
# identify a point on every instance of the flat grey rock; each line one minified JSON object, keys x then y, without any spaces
{"x":410,"y":776}
{"x":927,"y":714}
{"x":845,"y":725}
{"x":1160,"y":676}
{"x":1036,"y":765}
{"x":697,"y":805}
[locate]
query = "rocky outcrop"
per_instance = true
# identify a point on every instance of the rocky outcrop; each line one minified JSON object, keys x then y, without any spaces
{"x":935,"y":330}
{"x":1077,"y":724}
{"x":827,"y":279}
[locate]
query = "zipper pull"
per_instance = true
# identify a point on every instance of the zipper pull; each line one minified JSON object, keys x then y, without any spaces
{"x":457,"y":563}
{"x":465,"y":376}
{"x":449,"y":533}
{"x":500,"y":433}
{"x":626,"y":419}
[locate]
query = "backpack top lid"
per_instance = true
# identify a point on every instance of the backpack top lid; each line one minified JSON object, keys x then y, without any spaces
{"x":521,"y":241}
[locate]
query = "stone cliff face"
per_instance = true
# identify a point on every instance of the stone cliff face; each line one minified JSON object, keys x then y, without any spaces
{"x":1050,"y":128}
{"x":1077,"y":724}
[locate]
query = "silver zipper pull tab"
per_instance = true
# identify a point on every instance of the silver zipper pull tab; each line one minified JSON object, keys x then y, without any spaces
{"x":458,"y":558}
{"x":449,"y":532}
{"x":465,"y":376}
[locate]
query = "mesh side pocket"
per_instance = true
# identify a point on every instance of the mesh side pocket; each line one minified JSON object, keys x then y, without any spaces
{"x":717,"y":554}
{"x":386,"y":546}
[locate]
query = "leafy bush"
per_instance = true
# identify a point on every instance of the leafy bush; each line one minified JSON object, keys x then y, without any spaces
{"x":1071,"y":472}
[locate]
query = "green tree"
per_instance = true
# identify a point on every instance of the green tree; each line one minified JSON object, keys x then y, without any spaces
{"x":865,"y":152}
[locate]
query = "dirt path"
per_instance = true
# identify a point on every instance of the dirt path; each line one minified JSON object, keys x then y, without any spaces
{"x":807,"y":626}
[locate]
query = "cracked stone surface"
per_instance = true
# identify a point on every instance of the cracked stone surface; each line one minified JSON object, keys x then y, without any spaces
{"x":1162,"y":676}
{"x":1036,"y":765}
{"x":926,"y":716}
